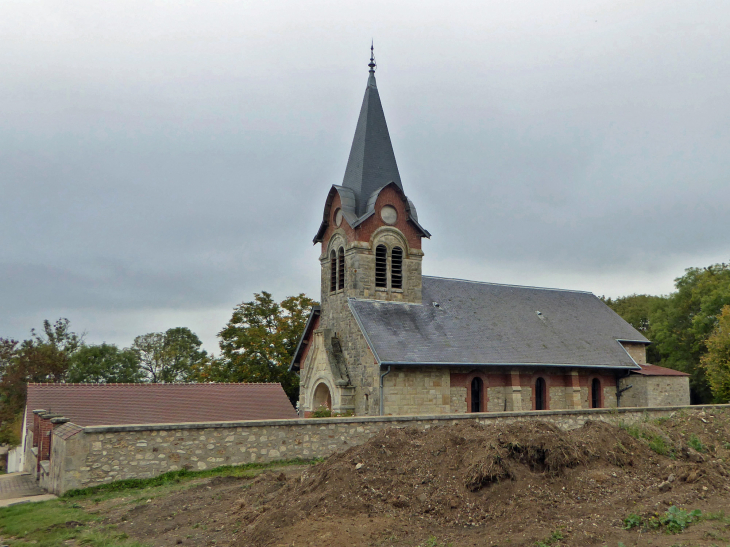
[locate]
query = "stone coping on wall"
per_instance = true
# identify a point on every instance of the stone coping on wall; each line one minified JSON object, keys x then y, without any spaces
{"x":384,"y":419}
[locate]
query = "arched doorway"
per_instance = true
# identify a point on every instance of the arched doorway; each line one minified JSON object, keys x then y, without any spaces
{"x":596,"y":393}
{"x":477,"y":394}
{"x":322,"y":397}
{"x":540,"y":395}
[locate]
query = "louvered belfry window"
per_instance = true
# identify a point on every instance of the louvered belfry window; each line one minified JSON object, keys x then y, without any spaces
{"x":341,"y":268}
{"x":381,"y":266}
{"x":333,"y":272}
{"x":396,"y":268}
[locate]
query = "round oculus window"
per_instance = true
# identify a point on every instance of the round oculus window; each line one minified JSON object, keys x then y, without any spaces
{"x":389,"y":214}
{"x":338,"y":217}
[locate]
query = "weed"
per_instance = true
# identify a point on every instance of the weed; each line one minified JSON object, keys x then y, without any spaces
{"x":674,"y":520}
{"x":551,"y":540}
{"x":659,"y":445}
{"x":632,"y":521}
{"x":433,"y":542}
{"x":696,"y":443}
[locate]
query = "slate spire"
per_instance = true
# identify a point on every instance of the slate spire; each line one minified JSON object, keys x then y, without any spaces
{"x":371,"y":164}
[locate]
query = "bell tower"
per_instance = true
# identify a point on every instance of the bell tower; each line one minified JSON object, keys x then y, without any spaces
{"x":371,"y":249}
{"x":370,"y":235}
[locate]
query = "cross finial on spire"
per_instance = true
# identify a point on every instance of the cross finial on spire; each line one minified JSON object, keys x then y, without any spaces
{"x":372,"y":64}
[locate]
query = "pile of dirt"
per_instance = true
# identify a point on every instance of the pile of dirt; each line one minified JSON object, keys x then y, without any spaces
{"x":466,"y":484}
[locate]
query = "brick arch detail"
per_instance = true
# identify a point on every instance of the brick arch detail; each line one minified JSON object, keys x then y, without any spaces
{"x":485,"y":384}
{"x":550,"y":381}
{"x":381,"y":236}
{"x":593,"y":377}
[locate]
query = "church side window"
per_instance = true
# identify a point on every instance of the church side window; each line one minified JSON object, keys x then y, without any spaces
{"x":333,"y":272}
{"x":381,"y":266}
{"x":396,"y":268}
{"x":540,"y":395}
{"x":596,"y":393}
{"x":341,"y":268}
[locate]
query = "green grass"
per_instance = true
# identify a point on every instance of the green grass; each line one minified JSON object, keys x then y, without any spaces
{"x":656,"y":442}
{"x":433,"y":542}
{"x":53,"y":522}
{"x":696,"y":443}
{"x":173,"y":477}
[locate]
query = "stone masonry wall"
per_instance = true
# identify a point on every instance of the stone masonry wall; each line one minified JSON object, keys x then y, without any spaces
{"x":102,"y":454}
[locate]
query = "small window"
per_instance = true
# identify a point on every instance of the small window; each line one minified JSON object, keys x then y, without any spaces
{"x":596,"y":393}
{"x":396,"y":268}
{"x":333,"y":272}
{"x":540,"y":399}
{"x":341,"y":268}
{"x":477,"y":393}
{"x":381,"y":269}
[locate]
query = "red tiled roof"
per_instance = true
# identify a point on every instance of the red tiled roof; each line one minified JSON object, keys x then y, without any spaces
{"x":117,"y":404}
{"x":656,"y":370}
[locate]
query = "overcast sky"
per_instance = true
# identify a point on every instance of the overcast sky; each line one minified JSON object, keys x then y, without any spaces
{"x":162,"y":161}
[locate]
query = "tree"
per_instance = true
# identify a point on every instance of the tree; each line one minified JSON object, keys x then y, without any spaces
{"x":716,"y":362}
{"x":45,"y":357}
{"x":259,"y":341}
{"x":637,"y":310}
{"x":172,"y":356}
{"x":683,"y":322}
{"x":104,"y":364}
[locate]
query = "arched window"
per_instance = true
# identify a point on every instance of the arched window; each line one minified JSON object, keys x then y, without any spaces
{"x":396,"y":268}
{"x":381,"y":268}
{"x":341,"y":268}
{"x":477,"y":394}
{"x":596,"y":393}
{"x":540,"y":395}
{"x":333,"y":271}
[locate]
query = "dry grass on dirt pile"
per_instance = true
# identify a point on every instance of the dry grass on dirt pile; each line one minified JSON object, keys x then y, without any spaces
{"x":466,"y":484}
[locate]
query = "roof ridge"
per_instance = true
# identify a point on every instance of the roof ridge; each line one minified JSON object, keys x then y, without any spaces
{"x":506,"y":284}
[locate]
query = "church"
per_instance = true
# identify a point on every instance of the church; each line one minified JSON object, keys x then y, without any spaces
{"x":387,"y":340}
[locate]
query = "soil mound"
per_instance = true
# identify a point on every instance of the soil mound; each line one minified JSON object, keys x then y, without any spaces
{"x":462,"y":485}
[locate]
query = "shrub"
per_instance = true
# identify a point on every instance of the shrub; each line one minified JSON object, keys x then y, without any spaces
{"x":322,"y":412}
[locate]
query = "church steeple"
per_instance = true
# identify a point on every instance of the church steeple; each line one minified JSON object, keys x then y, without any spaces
{"x":371,"y":164}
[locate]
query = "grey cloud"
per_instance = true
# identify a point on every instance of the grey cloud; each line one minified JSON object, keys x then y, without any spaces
{"x":158,"y":159}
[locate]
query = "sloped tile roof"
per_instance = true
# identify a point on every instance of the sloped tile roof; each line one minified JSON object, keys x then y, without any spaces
{"x":467,"y":322}
{"x":117,"y":404}
{"x":656,"y":370}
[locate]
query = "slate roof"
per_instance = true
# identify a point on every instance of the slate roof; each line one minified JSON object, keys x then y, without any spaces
{"x":492,"y":324}
{"x":371,"y":164}
{"x":371,"y":167}
{"x":117,"y":404}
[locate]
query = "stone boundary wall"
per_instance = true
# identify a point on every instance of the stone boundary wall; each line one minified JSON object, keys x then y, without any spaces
{"x":101,"y":454}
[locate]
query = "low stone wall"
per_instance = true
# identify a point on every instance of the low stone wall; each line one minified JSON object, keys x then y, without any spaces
{"x":97,"y":455}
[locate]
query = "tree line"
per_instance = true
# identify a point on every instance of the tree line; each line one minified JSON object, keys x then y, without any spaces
{"x":689,"y":329}
{"x":257,"y":345}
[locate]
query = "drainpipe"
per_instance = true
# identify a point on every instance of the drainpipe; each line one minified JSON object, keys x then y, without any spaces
{"x":619,"y":389}
{"x":382,"y":402}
